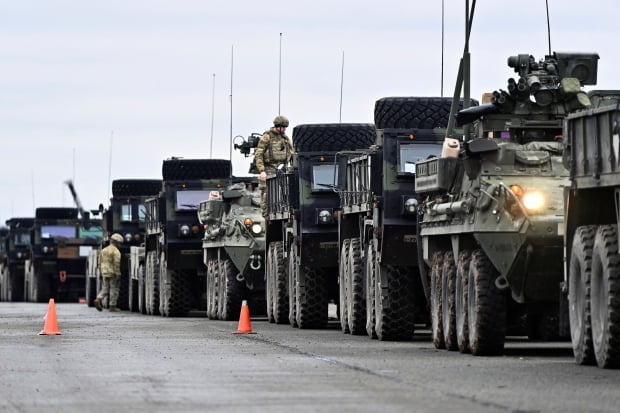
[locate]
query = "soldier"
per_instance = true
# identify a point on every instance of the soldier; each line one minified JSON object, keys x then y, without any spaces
{"x":274,"y":148}
{"x":110,"y":267}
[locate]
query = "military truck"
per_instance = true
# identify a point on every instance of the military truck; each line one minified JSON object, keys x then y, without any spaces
{"x":15,"y":246}
{"x":4,"y":232}
{"x":380,"y":290}
{"x":59,"y":246}
{"x":234,"y":250}
{"x":174,"y":279}
{"x":492,"y":222}
{"x":302,"y":231}
{"x":592,"y":278}
{"x":126,"y":216}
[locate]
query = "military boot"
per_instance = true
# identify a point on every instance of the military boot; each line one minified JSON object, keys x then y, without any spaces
{"x":97,"y":303}
{"x":114,"y":309}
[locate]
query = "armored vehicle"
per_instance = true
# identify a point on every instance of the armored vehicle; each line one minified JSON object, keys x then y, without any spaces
{"x":126,"y":216}
{"x":59,"y":246}
{"x":174,"y":279}
{"x":380,"y":290}
{"x":4,"y":232}
{"x":492,"y":221}
{"x":302,"y":229}
{"x":15,"y":246}
{"x":234,"y":250}
{"x":592,"y":214}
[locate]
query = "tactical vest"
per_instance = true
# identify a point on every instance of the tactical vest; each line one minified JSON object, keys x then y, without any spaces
{"x":277,"y":150}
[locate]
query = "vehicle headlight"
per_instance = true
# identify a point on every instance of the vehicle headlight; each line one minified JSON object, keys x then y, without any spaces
{"x":19,"y":255}
{"x":128,"y":237}
{"x":533,"y":200}
{"x":184,"y":230}
{"x":325,"y":217}
{"x":45,"y":250}
{"x":411,"y":205}
{"x":256,"y":229}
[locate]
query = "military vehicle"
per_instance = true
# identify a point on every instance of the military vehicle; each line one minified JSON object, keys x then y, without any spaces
{"x":4,"y":232}
{"x":234,"y":250}
{"x":15,"y":247}
{"x":174,"y":279}
{"x":60,"y":244}
{"x":492,"y":222}
{"x":380,"y":290}
{"x":302,"y":231}
{"x":592,"y":214}
{"x":126,"y":216}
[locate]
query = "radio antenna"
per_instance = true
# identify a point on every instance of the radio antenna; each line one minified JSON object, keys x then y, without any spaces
{"x":212,"y":113}
{"x":232,"y":53}
{"x":280,"y":76}
{"x":548,"y":27}
{"x":110,"y":164}
{"x":341,"y":84}
{"x":442,"y":42}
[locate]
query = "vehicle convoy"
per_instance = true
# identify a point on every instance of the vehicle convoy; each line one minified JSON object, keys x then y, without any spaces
{"x":126,"y":216}
{"x":59,"y":245}
{"x":302,"y":231}
{"x":492,"y":222}
{"x":592,"y":214}
{"x":174,"y":280}
{"x":380,"y":290}
{"x":15,"y":246}
{"x":234,"y":249}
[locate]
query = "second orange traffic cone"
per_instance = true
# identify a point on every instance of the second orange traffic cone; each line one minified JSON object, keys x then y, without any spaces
{"x":51,"y":323}
{"x":245,"y":326}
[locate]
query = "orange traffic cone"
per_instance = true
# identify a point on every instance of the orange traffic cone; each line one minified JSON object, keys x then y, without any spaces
{"x":51,"y":323}
{"x":245,"y":326}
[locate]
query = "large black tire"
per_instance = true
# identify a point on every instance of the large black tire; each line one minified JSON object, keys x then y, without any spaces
{"x":605,"y":297}
{"x":132,"y":292}
{"x":136,"y":187}
{"x":436,"y":307}
{"x":448,"y":309}
{"x":151,"y":283}
{"x":142,"y":290}
{"x":175,"y":299}
{"x":486,"y":308}
{"x":333,"y":137}
{"x":90,"y":290}
{"x":293,"y":279}
{"x":356,"y":300}
{"x":184,"y":169}
{"x":343,"y":285}
{"x":15,"y":291}
{"x":280,"y":285}
{"x":269,"y":282}
{"x":212,"y":289}
{"x":413,"y":112}
{"x":460,"y":301}
{"x":311,"y":298}
{"x":123,"y":292}
{"x":232,"y":291}
{"x":369,"y":277}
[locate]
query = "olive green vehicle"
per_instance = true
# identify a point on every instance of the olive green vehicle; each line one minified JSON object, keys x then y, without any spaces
{"x":234,"y":250}
{"x":15,"y":244}
{"x":493,"y":218}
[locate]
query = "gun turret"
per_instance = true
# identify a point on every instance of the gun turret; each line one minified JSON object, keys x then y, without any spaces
{"x":247,"y":147}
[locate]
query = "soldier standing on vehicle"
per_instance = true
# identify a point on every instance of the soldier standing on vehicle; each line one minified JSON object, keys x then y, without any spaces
{"x":274,"y":148}
{"x":110,"y":267}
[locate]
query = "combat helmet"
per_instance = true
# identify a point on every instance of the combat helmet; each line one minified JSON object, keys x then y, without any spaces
{"x":117,"y":237}
{"x":280,"y":121}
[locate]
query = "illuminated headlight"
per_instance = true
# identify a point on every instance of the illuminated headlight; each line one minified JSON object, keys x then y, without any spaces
{"x":184,"y":230}
{"x":325,"y":217}
{"x":533,"y":200}
{"x":45,"y":250}
{"x":411,"y":206}
{"x":19,"y":255}
{"x":256,"y":229}
{"x":128,"y":237}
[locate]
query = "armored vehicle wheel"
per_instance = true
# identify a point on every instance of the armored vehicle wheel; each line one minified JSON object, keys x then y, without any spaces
{"x":142,"y":289}
{"x":412,"y":112}
{"x":460,"y":301}
{"x":343,"y":281}
{"x":448,"y":311}
{"x":90,"y":290}
{"x":605,"y":297}
{"x":123,"y":292}
{"x":15,"y":283}
{"x":174,"y":295}
{"x":186,"y":169}
{"x":333,"y":136}
{"x":132,"y":292}
{"x":151,"y":284}
{"x":356,"y":301}
{"x":486,"y":308}
{"x":269,"y":281}
{"x":369,"y":276}
{"x":212,"y":289}
{"x":280,"y":288}
{"x":232,"y":291}
{"x":311,"y":297}
{"x":293,"y":276}
{"x":436,"y":308}
{"x":135,"y":187}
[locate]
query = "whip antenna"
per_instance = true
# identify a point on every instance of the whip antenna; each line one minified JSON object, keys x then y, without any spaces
{"x":110,"y":164}
{"x":442,"y":42}
{"x":341,"y":84}
{"x":548,"y":27}
{"x":232,"y":53}
{"x":280,"y":76}
{"x":212,"y":113}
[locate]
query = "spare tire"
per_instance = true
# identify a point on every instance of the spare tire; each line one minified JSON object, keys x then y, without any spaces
{"x":136,"y":187}
{"x":183,"y":169}
{"x":414,"y":112}
{"x":322,"y":137}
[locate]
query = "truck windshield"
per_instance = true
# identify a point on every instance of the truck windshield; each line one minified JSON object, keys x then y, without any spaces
{"x":141,"y":212}
{"x":57,"y":231}
{"x":92,"y":232}
{"x":22,"y":238}
{"x":190,"y":200}
{"x":323,"y":177}
{"x":410,"y":153}
{"x":126,"y":213}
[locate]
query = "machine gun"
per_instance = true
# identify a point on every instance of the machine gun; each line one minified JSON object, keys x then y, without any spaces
{"x":247,"y":147}
{"x":83,"y":213}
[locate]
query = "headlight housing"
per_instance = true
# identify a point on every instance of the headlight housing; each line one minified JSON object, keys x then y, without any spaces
{"x":410,"y":205}
{"x":184,"y":230}
{"x":533,"y":200}
{"x":324,"y":216}
{"x":256,"y":228}
{"x":128,"y":237}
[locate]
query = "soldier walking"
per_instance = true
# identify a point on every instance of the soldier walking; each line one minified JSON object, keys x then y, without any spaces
{"x":274,"y":148}
{"x":110,"y":267}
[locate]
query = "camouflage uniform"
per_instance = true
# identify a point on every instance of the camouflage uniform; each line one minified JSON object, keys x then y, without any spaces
{"x":110,"y":267}
{"x":274,"y":148}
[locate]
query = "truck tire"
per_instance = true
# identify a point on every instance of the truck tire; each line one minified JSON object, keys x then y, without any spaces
{"x":486,"y":308}
{"x":460,"y":301}
{"x":42,"y":286}
{"x":90,"y":290}
{"x":136,"y":187}
{"x":413,"y":112}
{"x":174,"y":295}
{"x":356,"y":301}
{"x":343,"y":286}
{"x":212,"y":289}
{"x":15,"y":291}
{"x":311,"y":298}
{"x":448,"y":315}
{"x":151,"y":283}
{"x":269,"y":282}
{"x":333,"y":137}
{"x":293,"y":280}
{"x":369,"y":277}
{"x":132,"y":293}
{"x":123,"y":292}
{"x":186,"y":169}
{"x":231,"y":291}
{"x":436,"y":307}
{"x":605,"y":297}
{"x":280,"y":288}
{"x":142,"y":289}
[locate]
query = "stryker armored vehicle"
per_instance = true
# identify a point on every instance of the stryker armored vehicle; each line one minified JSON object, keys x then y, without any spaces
{"x":592,"y":215}
{"x":59,"y":246}
{"x":493,"y":221}
{"x":302,"y":227}
{"x":15,"y":245}
{"x":234,"y":250}
{"x":174,"y":279}
{"x":126,"y":216}
{"x":380,"y":290}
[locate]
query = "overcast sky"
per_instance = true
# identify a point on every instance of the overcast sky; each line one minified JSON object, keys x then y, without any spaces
{"x":81,"y":77}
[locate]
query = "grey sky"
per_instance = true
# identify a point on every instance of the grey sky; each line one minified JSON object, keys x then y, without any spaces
{"x":73,"y":71}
